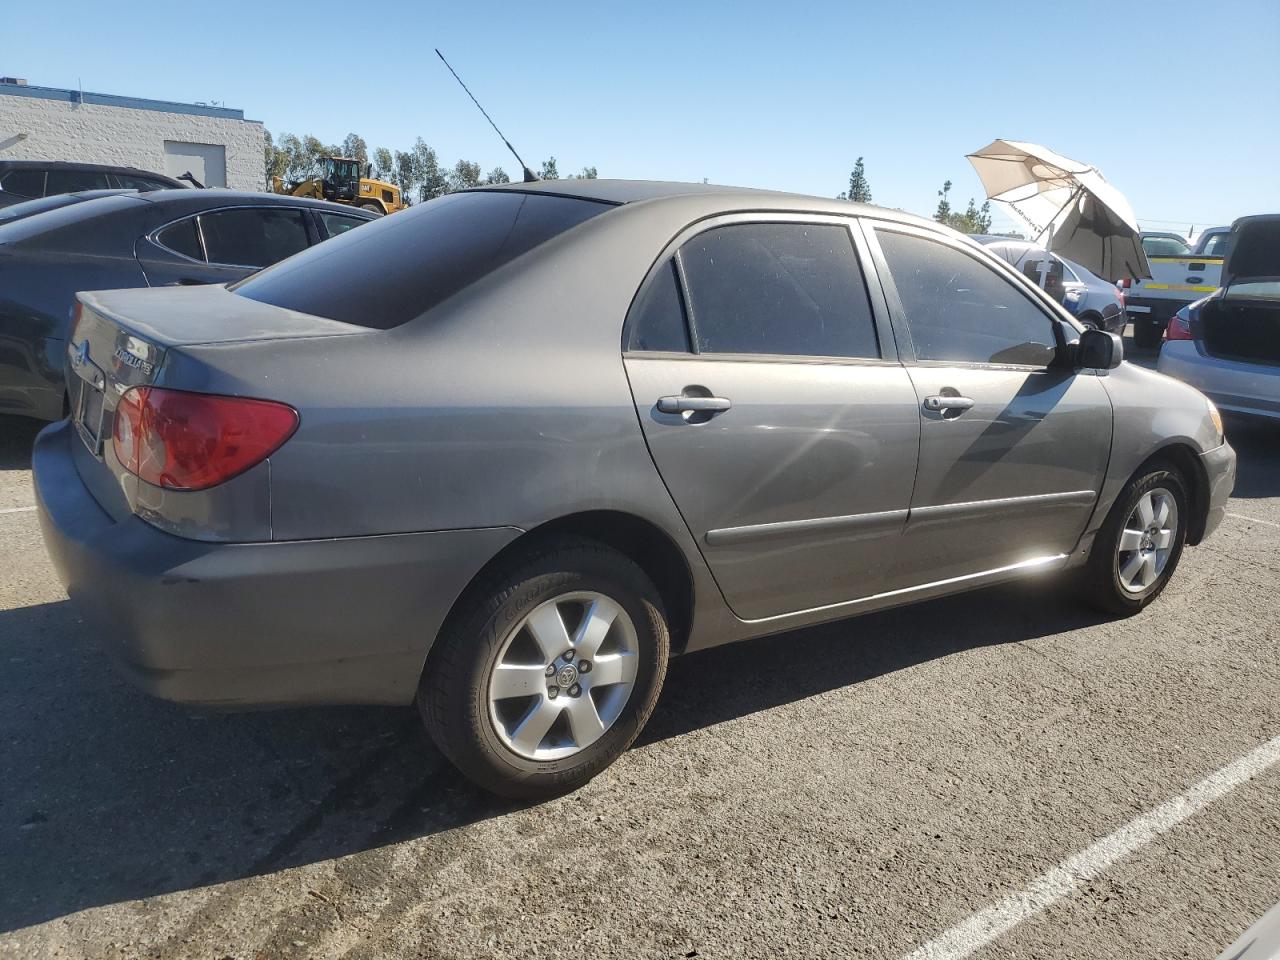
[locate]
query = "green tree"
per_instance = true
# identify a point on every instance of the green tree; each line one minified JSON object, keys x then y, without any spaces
{"x":276,"y":161}
{"x":975,"y":219}
{"x":354,"y":146}
{"x":859,"y":190}
{"x":549,"y":171}
{"x":431,"y":180}
{"x":463,"y":175}
{"x":497,"y":175}
{"x":383,"y":163}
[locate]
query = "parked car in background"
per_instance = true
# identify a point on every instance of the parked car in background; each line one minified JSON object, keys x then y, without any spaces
{"x":1228,"y":344}
{"x":152,"y":239}
{"x":29,"y":208}
{"x":1090,"y":299}
{"x":32,"y":179}
{"x":1178,"y":276}
{"x":505,"y":452}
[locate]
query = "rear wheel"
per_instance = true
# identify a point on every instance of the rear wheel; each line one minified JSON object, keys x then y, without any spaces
{"x":372,"y":208}
{"x":548,"y":672}
{"x":1091,"y":321}
{"x":1139,"y":545}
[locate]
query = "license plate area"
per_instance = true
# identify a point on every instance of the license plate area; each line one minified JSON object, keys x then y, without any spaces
{"x":88,"y":410}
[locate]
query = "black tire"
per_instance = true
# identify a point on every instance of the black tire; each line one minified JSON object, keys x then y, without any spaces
{"x":1147,"y":333}
{"x":1091,"y":321}
{"x":373,"y":208}
{"x":1100,"y":583}
{"x":453,"y":693}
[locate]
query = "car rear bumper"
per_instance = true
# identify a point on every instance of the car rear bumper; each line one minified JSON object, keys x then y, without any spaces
{"x":253,"y":624}
{"x":1234,"y":385}
{"x":1154,"y":309}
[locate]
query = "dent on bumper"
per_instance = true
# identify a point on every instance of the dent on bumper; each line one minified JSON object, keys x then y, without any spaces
{"x":253,"y":624}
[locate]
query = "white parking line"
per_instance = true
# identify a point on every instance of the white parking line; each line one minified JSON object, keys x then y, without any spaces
{"x":987,"y":925}
{"x":1241,"y":516}
{"x":18,"y":510}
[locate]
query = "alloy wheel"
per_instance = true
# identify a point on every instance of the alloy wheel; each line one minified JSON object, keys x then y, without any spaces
{"x":563,"y":675}
{"x":1147,"y":540}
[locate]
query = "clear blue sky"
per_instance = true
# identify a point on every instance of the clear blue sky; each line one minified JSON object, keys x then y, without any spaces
{"x":1178,"y":103}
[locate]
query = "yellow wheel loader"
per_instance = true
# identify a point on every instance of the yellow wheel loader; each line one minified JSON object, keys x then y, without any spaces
{"x":340,"y":180}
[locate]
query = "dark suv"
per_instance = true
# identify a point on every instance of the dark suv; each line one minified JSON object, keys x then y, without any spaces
{"x":31,"y":179}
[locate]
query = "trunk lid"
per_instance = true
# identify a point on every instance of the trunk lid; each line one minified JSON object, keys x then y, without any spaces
{"x":1254,"y":255}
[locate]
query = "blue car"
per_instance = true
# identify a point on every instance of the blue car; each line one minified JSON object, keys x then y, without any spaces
{"x":1093,"y":301}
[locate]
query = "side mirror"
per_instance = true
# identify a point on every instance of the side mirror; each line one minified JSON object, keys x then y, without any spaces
{"x":1099,"y":350}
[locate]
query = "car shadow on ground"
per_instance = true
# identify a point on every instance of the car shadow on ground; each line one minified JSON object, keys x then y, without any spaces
{"x":111,"y":796}
{"x":17,"y":434}
{"x":1257,"y":446}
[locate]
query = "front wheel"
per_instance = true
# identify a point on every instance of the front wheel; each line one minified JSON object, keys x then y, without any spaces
{"x":548,"y":672}
{"x":372,"y":208}
{"x":1139,"y":545}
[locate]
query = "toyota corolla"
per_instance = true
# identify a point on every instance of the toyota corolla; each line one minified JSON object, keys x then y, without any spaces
{"x":502,"y":454}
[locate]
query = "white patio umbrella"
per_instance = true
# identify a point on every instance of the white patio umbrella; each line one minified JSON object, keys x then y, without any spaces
{"x":1068,"y":205}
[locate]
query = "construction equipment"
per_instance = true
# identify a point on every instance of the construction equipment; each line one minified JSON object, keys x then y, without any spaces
{"x":343,"y":180}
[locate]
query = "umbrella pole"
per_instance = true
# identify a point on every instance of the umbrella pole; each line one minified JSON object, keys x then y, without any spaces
{"x":1044,"y":261}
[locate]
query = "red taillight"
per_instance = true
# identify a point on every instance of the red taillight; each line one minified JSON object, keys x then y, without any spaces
{"x":192,"y":441}
{"x":1125,"y":283}
{"x":1179,"y":329}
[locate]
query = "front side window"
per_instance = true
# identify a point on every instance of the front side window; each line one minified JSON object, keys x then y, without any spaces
{"x":69,"y":181}
{"x":960,"y":310}
{"x":336,"y":223}
{"x":778,"y":288}
{"x":253,"y":236}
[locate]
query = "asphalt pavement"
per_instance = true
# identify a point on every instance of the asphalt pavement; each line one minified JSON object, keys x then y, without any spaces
{"x":871,"y":788}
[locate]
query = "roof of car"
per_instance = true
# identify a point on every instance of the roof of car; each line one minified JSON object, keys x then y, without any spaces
{"x":637,"y":191}
{"x":218,"y":197}
{"x":83,"y":167}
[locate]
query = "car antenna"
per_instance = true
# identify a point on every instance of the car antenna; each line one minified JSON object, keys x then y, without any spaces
{"x":529,"y":175}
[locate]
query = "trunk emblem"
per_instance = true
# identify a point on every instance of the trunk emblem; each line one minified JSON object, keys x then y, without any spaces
{"x":132,"y":360}
{"x":80,"y":355}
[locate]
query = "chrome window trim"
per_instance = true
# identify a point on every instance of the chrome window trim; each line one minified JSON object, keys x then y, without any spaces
{"x":200,"y":230}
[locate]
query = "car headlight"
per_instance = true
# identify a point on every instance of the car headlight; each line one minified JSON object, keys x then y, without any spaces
{"x":1216,"y":417}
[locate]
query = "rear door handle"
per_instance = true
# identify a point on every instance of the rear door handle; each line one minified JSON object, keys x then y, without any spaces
{"x":684,"y":404}
{"x":947,"y":403}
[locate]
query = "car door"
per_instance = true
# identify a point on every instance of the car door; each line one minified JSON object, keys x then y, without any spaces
{"x":1013,"y":443}
{"x":775,"y":409}
{"x":222,"y":246}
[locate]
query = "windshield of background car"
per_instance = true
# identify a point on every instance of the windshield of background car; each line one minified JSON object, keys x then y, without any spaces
{"x":1164,"y":247}
{"x":397,"y":268}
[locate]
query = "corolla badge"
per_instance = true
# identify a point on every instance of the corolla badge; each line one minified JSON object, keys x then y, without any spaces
{"x":130,"y":358}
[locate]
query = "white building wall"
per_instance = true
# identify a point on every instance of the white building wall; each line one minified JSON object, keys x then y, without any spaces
{"x":96,"y":133}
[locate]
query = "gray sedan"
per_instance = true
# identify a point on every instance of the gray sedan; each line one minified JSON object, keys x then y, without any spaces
{"x":505,"y":453}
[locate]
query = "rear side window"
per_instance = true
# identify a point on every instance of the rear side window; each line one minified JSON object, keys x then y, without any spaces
{"x":1217,"y":245}
{"x":337,"y":223}
{"x":131,"y":182}
{"x":778,"y":288}
{"x":961,"y":311}
{"x":657,"y":319}
{"x":252,"y":236}
{"x":28,"y":183}
{"x":400,"y":266}
{"x":68,"y":181}
{"x":182,"y":237}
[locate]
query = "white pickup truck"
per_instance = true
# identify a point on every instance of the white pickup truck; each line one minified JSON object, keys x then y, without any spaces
{"x":1179,"y":276}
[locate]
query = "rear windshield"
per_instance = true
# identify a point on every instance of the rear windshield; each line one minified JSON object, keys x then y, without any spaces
{"x":29,"y":207}
{"x":387,"y":272}
{"x":13,"y":231}
{"x":1164,"y":247}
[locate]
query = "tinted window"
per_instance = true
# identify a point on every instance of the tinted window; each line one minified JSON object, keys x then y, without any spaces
{"x":253,"y":236}
{"x":398,"y":267}
{"x":1217,"y":245}
{"x":336,"y":223}
{"x":182,"y":237}
{"x":29,"y":207}
{"x":1164,"y":247}
{"x":67,"y":181}
{"x":781,"y":288}
{"x":657,"y":319}
{"x":962,"y":311}
{"x":131,"y":182}
{"x":29,"y":183}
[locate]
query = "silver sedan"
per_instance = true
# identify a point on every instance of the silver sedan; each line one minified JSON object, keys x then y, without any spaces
{"x":503,"y":454}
